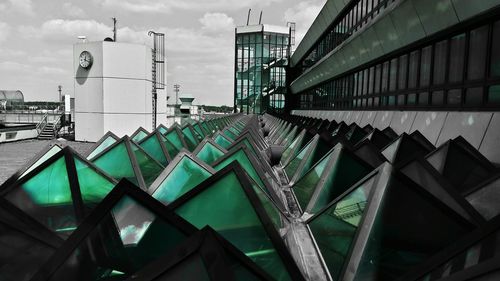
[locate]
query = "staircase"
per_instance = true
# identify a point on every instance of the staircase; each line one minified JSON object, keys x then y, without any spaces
{"x":48,"y":132}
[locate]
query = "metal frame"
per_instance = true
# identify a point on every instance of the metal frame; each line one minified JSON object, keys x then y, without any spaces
{"x":161,"y":141}
{"x":274,"y":236}
{"x":212,"y":248}
{"x":124,"y":188}
{"x":100,"y":141}
{"x":138,"y":131}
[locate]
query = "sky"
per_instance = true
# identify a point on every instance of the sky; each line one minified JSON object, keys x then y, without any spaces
{"x":36,"y":39}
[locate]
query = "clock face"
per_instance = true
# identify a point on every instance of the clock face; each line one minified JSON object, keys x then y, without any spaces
{"x":85,"y":60}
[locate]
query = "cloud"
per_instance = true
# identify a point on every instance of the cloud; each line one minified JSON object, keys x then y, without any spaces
{"x":21,"y":6}
{"x":73,"y":11}
{"x":216,"y":22}
{"x":303,"y":14}
{"x":132,"y":234}
{"x":5,"y":30}
{"x":162,"y":6}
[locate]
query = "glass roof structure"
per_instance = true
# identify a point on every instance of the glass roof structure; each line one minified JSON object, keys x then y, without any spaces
{"x":207,"y":202}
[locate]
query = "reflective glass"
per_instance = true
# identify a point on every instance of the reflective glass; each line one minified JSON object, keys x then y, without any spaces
{"x":150,"y":169}
{"x":245,"y":163}
{"x":139,"y":136}
{"x":116,"y":163}
{"x":222,"y":141}
{"x":334,"y":229}
{"x":51,"y":152}
{"x":109,"y":141}
{"x":93,"y":186}
{"x":175,"y":139}
{"x":190,"y":138}
{"x":225,"y":207}
{"x":124,"y":240}
{"x":186,"y":175}
{"x":153,"y":147}
{"x":209,"y":153}
{"x":47,"y":198}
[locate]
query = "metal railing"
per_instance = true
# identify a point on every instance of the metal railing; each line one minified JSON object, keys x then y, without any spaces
{"x":43,"y":123}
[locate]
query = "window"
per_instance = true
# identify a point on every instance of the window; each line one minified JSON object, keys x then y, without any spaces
{"x":494,"y":94}
{"x":437,"y":97}
{"x":403,"y":65}
{"x":455,"y":97}
{"x":477,"y":53}
{"x":371,"y":80}
{"x":413,"y":70}
{"x":425,"y":66}
{"x":393,"y":75}
{"x":474,"y":96}
{"x":385,"y":76}
{"x":423,"y":98}
{"x":457,"y":55}
{"x":440,"y":54}
{"x":378,"y":74}
{"x":495,"y":56}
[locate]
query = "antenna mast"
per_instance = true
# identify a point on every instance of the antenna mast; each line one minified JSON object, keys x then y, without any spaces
{"x":158,"y":70}
{"x":248,"y":17}
{"x":177,"y":88}
{"x":114,"y":29}
{"x":260,"y":18}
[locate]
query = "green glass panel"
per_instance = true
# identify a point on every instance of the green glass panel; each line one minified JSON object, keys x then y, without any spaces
{"x":334,"y":229}
{"x":52,"y":151}
{"x":250,"y":147}
{"x":225,"y":207}
{"x":304,"y":188}
{"x":139,"y":136}
{"x":222,"y":141}
{"x":153,"y":147}
{"x":93,"y":186}
{"x":109,"y":141}
{"x":205,"y":127}
{"x":186,"y":175}
{"x":50,"y":186}
{"x":290,"y":151}
{"x":125,"y":240}
{"x":230,"y":134}
{"x":270,"y":208}
{"x":175,"y":139}
{"x":190,"y":269}
{"x":162,"y":130}
{"x":150,"y":169}
{"x":47,"y":198}
{"x":190,"y":138}
{"x":289,"y":138}
{"x":198,"y":129}
{"x":245,"y":163}
{"x":171,"y":149}
{"x":116,"y":163}
{"x":209,"y":153}
{"x":293,"y":165}
{"x":345,"y":172}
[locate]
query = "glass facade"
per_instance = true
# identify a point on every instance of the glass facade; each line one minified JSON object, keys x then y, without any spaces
{"x":456,"y":71}
{"x":260,"y":64}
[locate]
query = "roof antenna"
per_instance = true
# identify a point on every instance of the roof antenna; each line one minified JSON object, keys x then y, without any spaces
{"x":114,"y":29}
{"x":260,"y":18}
{"x":248,"y":18}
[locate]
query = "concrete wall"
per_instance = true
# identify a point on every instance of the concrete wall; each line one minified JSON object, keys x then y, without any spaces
{"x":115,"y":93}
{"x":18,"y":135}
{"x":480,"y":129}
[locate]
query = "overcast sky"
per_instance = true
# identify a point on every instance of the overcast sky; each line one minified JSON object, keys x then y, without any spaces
{"x":36,"y":39}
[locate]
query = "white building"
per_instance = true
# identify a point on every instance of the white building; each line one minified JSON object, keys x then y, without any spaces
{"x":113,"y":85}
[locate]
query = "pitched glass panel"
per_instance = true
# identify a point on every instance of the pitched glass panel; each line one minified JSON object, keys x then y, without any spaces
{"x":250,"y":147}
{"x":175,"y":139}
{"x":222,"y":141}
{"x":304,"y":188}
{"x":150,"y":169}
{"x":186,"y":175}
{"x":225,"y":207}
{"x":291,"y":150}
{"x":109,"y":141}
{"x":293,"y":165}
{"x":47,"y":198}
{"x":190,"y":269}
{"x":117,"y":163}
{"x":209,"y":153}
{"x":162,"y":130}
{"x":171,"y":149}
{"x":51,"y":152}
{"x":245,"y":163}
{"x":93,"y":186}
{"x":345,"y":172}
{"x":153,"y":147}
{"x":230,"y":134}
{"x":334,"y":229}
{"x":190,"y":138}
{"x":139,"y":136}
{"x":198,"y":129}
{"x":125,"y":240}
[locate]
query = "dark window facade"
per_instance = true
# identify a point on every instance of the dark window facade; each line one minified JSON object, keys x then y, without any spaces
{"x":460,"y":71}
{"x":357,"y":15}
